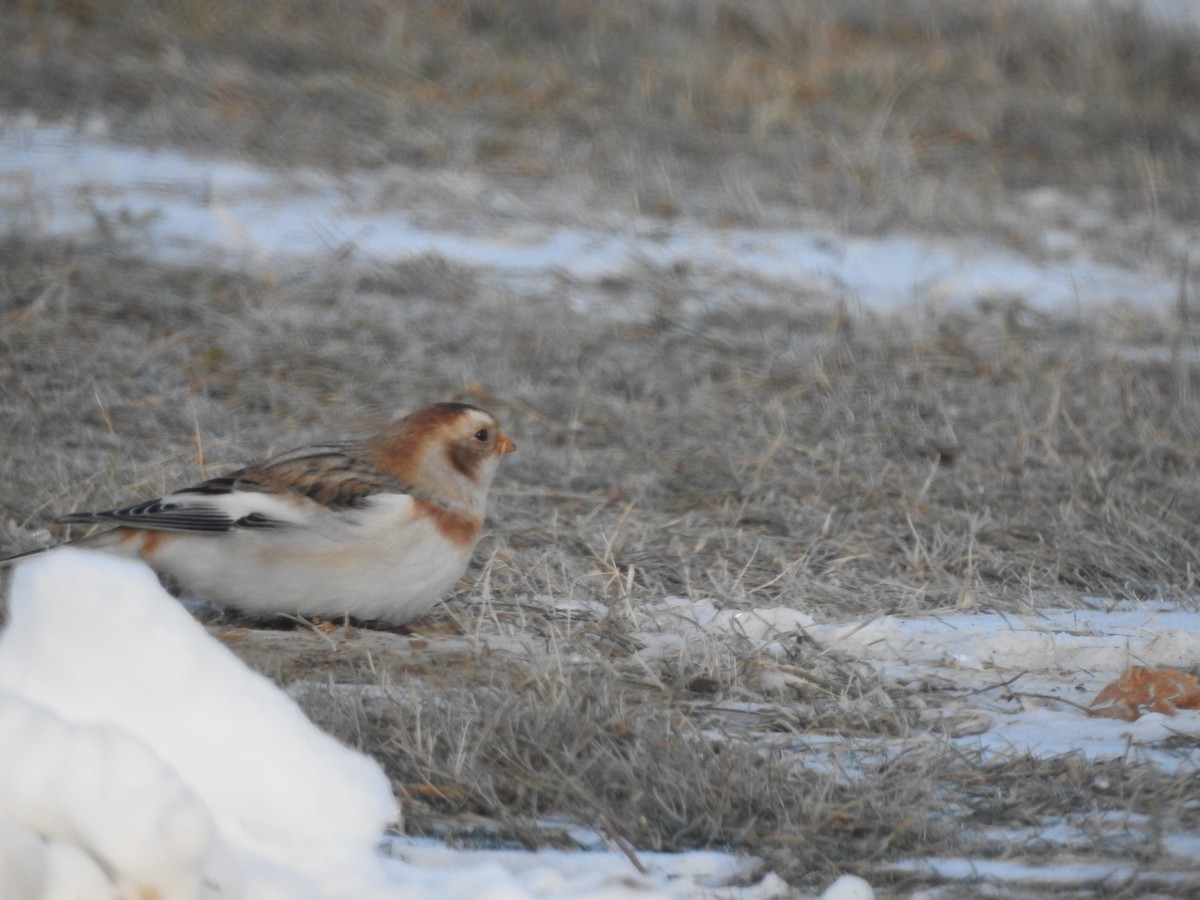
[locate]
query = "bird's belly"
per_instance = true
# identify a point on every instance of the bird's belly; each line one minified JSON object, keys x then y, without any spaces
{"x":389,"y":575}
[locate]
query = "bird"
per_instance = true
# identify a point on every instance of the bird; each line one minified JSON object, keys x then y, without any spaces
{"x":376,"y":529}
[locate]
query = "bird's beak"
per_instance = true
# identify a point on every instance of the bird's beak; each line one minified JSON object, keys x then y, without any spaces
{"x":504,"y":444}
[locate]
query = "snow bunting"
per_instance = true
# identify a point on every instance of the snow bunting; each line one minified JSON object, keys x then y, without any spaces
{"x":376,"y":529}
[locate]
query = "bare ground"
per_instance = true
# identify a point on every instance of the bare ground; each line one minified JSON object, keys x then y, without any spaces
{"x":788,"y":456}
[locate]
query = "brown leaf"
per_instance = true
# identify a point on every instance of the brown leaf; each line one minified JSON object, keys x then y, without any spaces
{"x":1161,"y":690}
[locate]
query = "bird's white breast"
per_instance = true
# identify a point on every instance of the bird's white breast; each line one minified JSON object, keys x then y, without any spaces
{"x":383,"y":561}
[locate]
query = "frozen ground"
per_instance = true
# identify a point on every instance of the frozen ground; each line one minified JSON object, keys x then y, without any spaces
{"x":999,"y":686}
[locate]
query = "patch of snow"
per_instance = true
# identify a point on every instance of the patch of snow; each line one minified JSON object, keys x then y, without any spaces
{"x":599,"y":873}
{"x":1051,"y":874}
{"x":1029,"y":678}
{"x":849,"y":887}
{"x":1017,"y":668}
{"x":1075,"y":640}
{"x":684,"y":618}
{"x":55,"y":180}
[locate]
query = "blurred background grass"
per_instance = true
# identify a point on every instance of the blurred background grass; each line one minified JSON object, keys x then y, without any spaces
{"x":921,"y":113}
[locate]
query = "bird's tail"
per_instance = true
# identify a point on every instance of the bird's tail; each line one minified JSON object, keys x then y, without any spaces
{"x":17,"y":557}
{"x":98,"y":540}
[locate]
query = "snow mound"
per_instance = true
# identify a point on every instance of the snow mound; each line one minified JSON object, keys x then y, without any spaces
{"x":144,"y":757}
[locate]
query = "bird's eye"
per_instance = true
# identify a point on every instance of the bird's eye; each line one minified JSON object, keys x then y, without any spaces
{"x":481,"y":434}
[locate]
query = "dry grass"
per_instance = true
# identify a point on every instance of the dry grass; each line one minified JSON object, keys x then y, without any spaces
{"x":848,"y":465}
{"x":870,"y":465}
{"x":798,"y":458}
{"x":523,"y":761}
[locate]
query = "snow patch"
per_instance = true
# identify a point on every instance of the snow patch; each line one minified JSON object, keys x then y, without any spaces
{"x":181,"y":207}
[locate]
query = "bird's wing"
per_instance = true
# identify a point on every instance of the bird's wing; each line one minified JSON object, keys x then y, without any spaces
{"x":285,"y":490}
{"x":337,"y":476}
{"x":164,"y":514}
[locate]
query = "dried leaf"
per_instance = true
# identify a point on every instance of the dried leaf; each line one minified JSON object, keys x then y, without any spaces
{"x":1163,"y":691}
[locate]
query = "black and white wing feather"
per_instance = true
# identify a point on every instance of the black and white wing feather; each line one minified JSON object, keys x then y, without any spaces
{"x":285,"y":490}
{"x":165,"y":514}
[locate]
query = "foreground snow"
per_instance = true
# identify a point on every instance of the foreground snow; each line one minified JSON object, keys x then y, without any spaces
{"x":141,"y":753}
{"x":143,"y":759}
